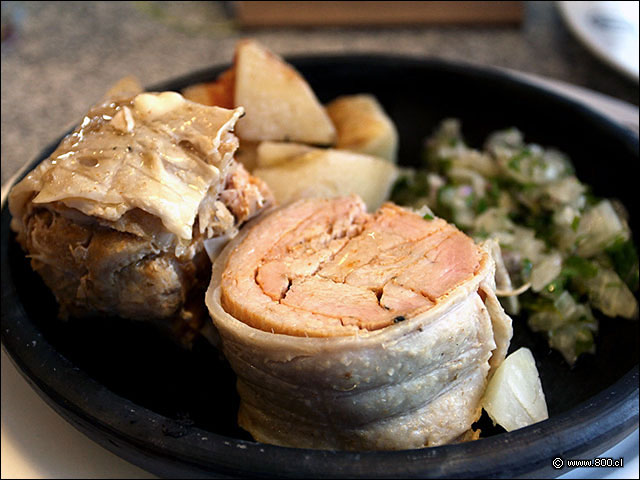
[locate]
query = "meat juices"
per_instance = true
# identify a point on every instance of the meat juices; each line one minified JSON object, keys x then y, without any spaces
{"x":352,"y":330}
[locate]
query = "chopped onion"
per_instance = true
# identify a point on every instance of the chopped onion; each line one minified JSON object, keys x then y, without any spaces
{"x":514,"y":396}
{"x":466,"y":175}
{"x":545,"y":271}
{"x":566,"y":305}
{"x":573,"y":250}
{"x":609,"y":294}
{"x":573,"y":339}
{"x":599,"y":226}
{"x":566,"y":191}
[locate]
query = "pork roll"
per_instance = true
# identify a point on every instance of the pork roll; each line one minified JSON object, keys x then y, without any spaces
{"x":117,"y":218}
{"x":358,"y":331}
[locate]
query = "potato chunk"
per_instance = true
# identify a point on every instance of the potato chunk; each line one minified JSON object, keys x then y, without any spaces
{"x":363,"y":126}
{"x":269,"y":154}
{"x":330,"y":173}
{"x":278,"y":101}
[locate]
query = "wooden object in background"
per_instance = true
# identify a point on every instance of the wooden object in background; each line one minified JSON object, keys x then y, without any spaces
{"x":326,"y":13}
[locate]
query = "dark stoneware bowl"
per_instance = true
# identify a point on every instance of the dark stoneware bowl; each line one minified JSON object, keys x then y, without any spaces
{"x":173,"y":412}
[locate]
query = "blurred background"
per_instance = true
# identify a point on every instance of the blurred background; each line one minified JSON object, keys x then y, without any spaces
{"x":59,"y":57}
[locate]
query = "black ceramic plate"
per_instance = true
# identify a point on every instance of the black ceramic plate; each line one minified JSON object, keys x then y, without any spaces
{"x":173,"y":412}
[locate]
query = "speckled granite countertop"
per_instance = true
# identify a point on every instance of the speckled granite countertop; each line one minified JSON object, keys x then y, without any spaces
{"x":65,"y":55}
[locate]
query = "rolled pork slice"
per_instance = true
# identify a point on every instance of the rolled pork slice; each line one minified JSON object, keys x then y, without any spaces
{"x":357,"y":331}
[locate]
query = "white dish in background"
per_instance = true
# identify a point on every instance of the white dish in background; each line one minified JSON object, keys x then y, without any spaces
{"x":608,"y":29}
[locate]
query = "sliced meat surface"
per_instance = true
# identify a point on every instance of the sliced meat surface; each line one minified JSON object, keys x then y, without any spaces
{"x":326,"y":267}
{"x":357,"y":331}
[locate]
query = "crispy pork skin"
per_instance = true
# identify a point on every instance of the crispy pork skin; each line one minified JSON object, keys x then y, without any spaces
{"x":358,"y":331}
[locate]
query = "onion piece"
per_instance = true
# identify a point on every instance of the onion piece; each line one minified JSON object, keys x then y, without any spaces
{"x":514,"y":396}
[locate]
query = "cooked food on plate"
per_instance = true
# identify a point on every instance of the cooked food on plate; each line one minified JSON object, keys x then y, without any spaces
{"x":514,"y":396}
{"x":363,"y":126}
{"x":325,"y":172}
{"x":117,"y":218}
{"x":279,"y":102}
{"x":356,"y":330}
{"x":298,"y":146}
{"x":356,"y":300}
{"x":565,"y":251}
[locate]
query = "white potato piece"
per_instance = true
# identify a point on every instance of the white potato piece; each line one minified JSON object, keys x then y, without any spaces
{"x":330,"y":173}
{"x":269,"y":154}
{"x":218,"y":93}
{"x":363,"y":126}
{"x":278,"y":101}
{"x":514,"y":396}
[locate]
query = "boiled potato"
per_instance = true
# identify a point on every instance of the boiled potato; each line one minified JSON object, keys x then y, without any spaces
{"x":363,"y":126}
{"x":218,"y":93}
{"x":514,"y":396}
{"x":269,"y":154}
{"x":330,"y":173}
{"x":278,"y":102}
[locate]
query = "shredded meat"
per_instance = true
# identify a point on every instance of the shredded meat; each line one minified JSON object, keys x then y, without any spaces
{"x":127,"y":268}
{"x":100,"y":221}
